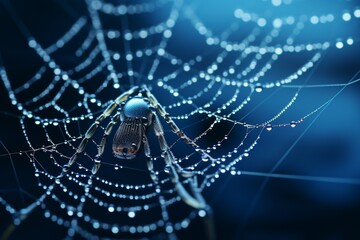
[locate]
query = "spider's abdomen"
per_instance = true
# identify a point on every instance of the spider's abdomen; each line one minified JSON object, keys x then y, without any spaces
{"x":128,"y":138}
{"x":137,"y":107}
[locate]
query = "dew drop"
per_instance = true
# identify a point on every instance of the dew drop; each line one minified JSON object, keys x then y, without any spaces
{"x":96,"y":224}
{"x":293,"y":124}
{"x":115,"y":229}
{"x":204,"y":157}
{"x":131,"y":214}
{"x":258,"y":88}
{"x":202,"y":213}
{"x":169,"y":229}
{"x":268,"y":127}
{"x":111,"y":209}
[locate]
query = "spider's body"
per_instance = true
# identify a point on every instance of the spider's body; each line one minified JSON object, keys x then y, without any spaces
{"x":137,"y":112}
{"x":136,"y":117}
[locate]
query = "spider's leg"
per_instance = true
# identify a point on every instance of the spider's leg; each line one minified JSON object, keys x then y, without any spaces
{"x":91,"y":130}
{"x":173,"y":125}
{"x":149,"y":162}
{"x":97,"y":162}
{"x":168,"y":155}
{"x":150,"y":165}
{"x":198,"y":203}
{"x":209,"y":218}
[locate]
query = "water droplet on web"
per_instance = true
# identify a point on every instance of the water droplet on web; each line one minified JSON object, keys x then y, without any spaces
{"x":131,"y":214}
{"x":80,"y":214}
{"x":202,"y":213}
{"x":293,"y":124}
{"x":96,"y":224}
{"x":66,"y":168}
{"x":17,"y":221}
{"x":115,"y":229}
{"x":204,"y":157}
{"x":268,"y":127}
{"x":258,"y":88}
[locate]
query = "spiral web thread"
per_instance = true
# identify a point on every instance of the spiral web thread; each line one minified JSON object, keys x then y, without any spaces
{"x":221,"y":83}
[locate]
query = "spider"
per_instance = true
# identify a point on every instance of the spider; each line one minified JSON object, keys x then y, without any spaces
{"x":138,"y":111}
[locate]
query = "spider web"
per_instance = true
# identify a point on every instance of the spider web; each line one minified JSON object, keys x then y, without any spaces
{"x":229,"y":76}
